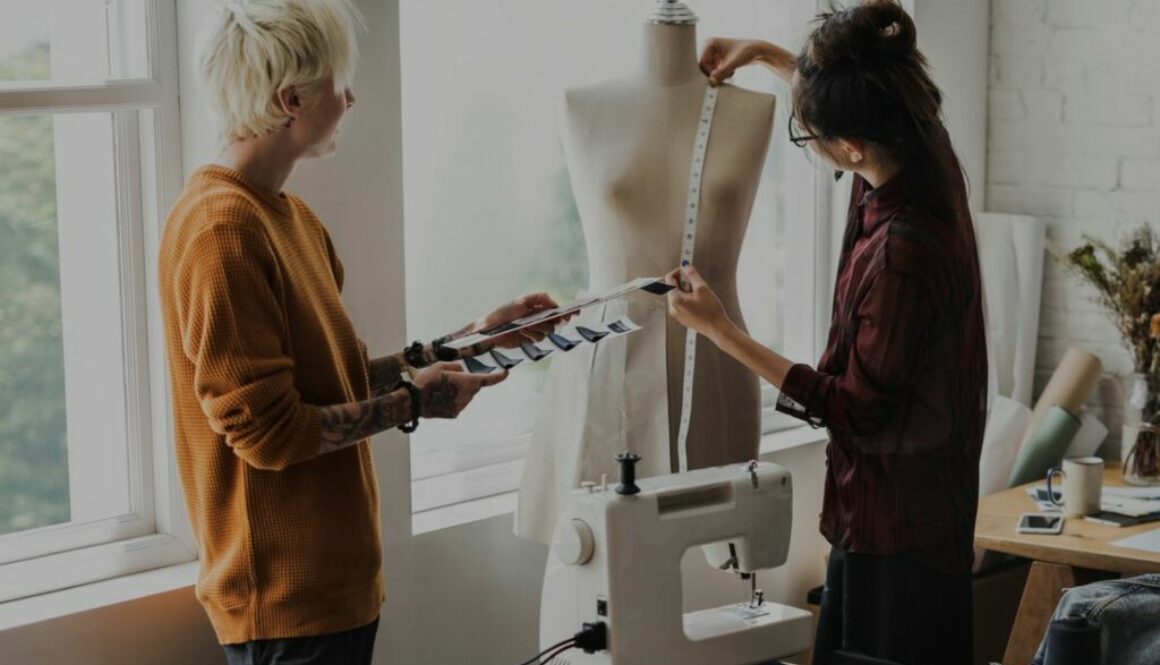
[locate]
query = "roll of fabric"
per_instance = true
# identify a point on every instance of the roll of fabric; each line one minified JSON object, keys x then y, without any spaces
{"x":1046,"y":446}
{"x":1006,"y":423}
{"x":1070,"y":386}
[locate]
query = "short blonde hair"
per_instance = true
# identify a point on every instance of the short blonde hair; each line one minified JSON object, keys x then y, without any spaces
{"x":249,"y":50}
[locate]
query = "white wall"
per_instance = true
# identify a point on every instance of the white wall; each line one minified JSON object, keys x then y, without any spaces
{"x":953,"y":36}
{"x":169,"y":628}
{"x":1074,"y":138}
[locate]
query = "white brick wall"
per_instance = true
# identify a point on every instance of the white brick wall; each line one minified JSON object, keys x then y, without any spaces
{"x":1074,"y":137}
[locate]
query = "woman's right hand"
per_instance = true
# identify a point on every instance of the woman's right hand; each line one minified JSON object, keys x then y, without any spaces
{"x":447,"y":390}
{"x":722,"y":57}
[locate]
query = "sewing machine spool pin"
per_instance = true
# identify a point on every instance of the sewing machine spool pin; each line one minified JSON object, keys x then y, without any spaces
{"x":627,"y":486}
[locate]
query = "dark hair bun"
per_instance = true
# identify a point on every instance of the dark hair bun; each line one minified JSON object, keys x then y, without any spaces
{"x":869,"y":35}
{"x":861,"y":76}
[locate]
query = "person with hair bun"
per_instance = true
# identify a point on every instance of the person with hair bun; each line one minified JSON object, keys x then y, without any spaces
{"x":274,"y":397}
{"x":902,"y":382}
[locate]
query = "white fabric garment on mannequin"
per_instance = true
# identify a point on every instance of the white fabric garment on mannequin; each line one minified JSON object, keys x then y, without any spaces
{"x":627,"y":143}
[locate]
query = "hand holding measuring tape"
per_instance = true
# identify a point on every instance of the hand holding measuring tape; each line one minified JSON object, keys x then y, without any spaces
{"x":697,"y":308}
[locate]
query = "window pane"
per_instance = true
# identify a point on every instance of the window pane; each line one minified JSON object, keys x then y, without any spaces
{"x":488,"y":204}
{"x":33,"y":454}
{"x":72,"y":41}
{"x":63,"y":437}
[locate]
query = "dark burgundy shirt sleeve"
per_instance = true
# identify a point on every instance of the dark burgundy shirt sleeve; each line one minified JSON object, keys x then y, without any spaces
{"x":883,"y":363}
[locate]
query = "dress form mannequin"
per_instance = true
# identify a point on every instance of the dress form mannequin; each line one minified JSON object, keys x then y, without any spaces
{"x":628,"y":143}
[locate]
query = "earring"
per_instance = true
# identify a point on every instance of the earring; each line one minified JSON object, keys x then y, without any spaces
{"x":856,"y":158}
{"x":289,"y":121}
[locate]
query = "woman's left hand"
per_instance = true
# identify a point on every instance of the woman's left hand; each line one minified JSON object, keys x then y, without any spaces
{"x":699,"y":308}
{"x":519,"y":308}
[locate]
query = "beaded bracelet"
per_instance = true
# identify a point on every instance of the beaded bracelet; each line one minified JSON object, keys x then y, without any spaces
{"x":416,"y":405}
{"x":414,"y":355}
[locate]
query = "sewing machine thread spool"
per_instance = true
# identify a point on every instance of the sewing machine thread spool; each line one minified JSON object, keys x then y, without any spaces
{"x":627,"y":486}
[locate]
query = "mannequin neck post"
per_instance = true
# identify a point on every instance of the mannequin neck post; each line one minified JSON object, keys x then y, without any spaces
{"x":669,"y":54}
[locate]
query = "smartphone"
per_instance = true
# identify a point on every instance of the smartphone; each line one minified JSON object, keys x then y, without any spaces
{"x":1040,"y":523}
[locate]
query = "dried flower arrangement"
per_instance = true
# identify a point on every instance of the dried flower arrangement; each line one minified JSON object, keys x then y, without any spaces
{"x":1127,"y":284}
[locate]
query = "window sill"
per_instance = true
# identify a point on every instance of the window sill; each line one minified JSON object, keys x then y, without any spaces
{"x":56,"y":604}
{"x":787,"y":439}
{"x":476,"y":510}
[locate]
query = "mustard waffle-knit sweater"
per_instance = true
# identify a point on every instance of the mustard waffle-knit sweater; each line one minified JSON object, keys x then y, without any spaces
{"x":258,"y":339}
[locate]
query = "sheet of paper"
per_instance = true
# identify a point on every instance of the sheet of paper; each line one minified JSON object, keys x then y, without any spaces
{"x":1139,"y":493}
{"x":1109,"y":502}
{"x":1133,"y":507}
{"x":1089,"y":437}
{"x":623,"y":326}
{"x":1039,"y":496}
{"x":1149,"y":541}
{"x":653,"y":285}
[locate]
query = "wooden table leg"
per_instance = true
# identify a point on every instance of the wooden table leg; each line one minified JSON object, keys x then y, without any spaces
{"x":1045,"y":585}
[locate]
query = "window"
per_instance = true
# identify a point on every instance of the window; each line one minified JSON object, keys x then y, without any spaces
{"x":489,"y":210}
{"x":89,"y":161}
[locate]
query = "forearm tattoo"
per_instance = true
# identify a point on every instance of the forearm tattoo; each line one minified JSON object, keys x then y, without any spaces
{"x":385,"y":373}
{"x":440,"y":399}
{"x":344,"y":425}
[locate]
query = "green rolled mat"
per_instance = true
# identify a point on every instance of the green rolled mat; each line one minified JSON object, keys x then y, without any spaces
{"x":1046,"y":447}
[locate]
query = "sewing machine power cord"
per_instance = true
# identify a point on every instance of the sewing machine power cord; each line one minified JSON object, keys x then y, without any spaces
{"x":593,"y":638}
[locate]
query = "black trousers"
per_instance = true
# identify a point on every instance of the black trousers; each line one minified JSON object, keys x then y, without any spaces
{"x":893,"y":608}
{"x":350,"y":647}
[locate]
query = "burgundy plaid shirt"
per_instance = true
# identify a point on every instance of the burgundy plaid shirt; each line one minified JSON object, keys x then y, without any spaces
{"x":901,"y":385}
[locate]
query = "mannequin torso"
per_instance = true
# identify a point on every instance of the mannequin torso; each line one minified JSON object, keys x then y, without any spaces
{"x":628,"y":143}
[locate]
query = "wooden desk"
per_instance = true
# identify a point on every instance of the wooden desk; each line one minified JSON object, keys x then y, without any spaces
{"x":1083,"y":553}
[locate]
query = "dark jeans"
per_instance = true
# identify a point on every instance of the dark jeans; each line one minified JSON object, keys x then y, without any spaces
{"x":351,"y":647}
{"x":893,"y":608}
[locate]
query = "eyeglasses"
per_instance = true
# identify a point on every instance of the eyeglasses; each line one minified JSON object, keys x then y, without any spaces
{"x":796,"y":136}
{"x":801,"y":140}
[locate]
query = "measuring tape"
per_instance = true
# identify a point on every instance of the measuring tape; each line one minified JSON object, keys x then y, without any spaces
{"x":692,"y":208}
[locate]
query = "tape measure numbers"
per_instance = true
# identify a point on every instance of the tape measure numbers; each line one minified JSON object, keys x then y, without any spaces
{"x":688,"y":241}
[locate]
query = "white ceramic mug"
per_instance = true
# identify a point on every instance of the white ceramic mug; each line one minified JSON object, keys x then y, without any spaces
{"x":1083,"y":482}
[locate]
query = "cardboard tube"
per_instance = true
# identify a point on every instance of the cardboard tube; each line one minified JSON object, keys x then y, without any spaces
{"x":1069,"y":387}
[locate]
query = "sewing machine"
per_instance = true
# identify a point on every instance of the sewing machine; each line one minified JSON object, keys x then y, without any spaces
{"x":617,"y":560}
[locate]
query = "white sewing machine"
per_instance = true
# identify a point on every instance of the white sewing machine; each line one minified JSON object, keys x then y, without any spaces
{"x":621,"y":553}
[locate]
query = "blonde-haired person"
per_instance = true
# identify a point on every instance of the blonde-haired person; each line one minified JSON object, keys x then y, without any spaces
{"x":274,"y":396}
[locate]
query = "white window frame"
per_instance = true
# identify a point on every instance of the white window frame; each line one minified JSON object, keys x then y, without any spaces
{"x":147,"y":146}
